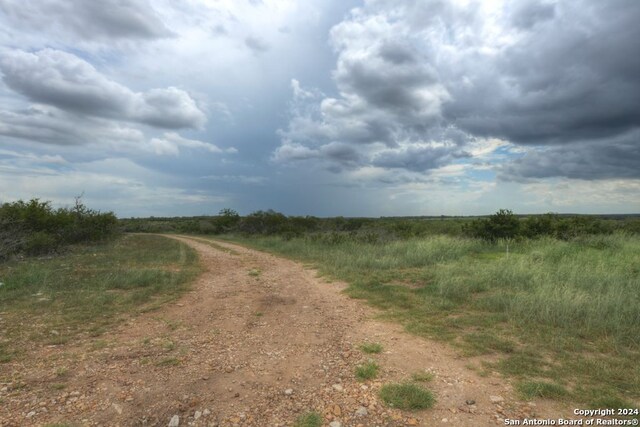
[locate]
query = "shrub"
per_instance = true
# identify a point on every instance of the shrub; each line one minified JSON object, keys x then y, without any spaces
{"x":35,"y":228}
{"x":501,"y":225}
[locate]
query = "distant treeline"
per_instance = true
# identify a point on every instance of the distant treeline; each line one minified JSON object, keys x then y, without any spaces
{"x":35,"y":228}
{"x":502,"y":225}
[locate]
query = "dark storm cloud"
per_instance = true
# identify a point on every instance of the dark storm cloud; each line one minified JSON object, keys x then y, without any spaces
{"x":67,"y":82}
{"x":592,"y":160}
{"x":574,"y":77}
{"x":539,"y":73}
{"x":414,"y":158}
{"x":88,"y":19}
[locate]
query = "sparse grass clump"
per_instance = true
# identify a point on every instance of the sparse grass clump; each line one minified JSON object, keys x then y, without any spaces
{"x":422,"y":376}
{"x":168,"y":361}
{"x":547,"y":390}
{"x":367,"y":371}
{"x":371,"y":347}
{"x":310,"y":419}
{"x":407,"y":396}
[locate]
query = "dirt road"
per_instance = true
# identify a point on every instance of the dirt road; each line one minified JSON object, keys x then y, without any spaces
{"x":258,"y":341}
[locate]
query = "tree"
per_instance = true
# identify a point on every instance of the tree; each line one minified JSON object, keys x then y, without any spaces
{"x":501,"y":225}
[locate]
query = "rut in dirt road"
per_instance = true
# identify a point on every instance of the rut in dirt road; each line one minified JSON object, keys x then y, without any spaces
{"x":258,"y":341}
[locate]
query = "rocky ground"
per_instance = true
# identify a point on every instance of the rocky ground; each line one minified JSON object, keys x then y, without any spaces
{"x":258,"y":341}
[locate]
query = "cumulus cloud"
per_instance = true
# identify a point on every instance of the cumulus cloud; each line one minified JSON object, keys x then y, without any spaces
{"x":70,"y":83}
{"x":419,"y":83}
{"x":90,"y":20}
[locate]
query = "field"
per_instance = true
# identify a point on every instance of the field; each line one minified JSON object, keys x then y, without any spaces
{"x":543,"y":308}
{"x":559,"y":317}
{"x":55,"y":299}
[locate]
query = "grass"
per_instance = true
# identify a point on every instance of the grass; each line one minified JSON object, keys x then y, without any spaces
{"x":406,"y":396}
{"x":422,"y":376}
{"x":565,"y":311}
{"x":367,"y":371}
{"x":168,"y":361}
{"x":255,"y":272}
{"x":533,"y":389}
{"x":371,"y":347}
{"x":310,"y":419}
{"x":57,"y":299}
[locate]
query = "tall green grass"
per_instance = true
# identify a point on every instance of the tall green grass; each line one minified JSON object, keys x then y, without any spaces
{"x":565,"y":310}
{"x":54,"y":299}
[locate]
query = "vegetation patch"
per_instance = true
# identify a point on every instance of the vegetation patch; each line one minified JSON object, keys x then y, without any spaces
{"x":559,"y":309}
{"x":407,"y":396}
{"x":35,"y":228}
{"x":422,"y":376}
{"x":543,"y":389}
{"x":310,"y":419}
{"x":371,"y":347}
{"x":90,"y":288}
{"x":367,"y":371}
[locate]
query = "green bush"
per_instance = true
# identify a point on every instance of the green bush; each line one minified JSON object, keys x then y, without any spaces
{"x":35,"y":228}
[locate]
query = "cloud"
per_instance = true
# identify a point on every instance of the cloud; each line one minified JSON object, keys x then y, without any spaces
{"x":420,"y":83}
{"x":52,"y":126}
{"x":102,"y":21}
{"x":68,"y":82}
{"x":171,"y":143}
{"x":256,"y":44}
{"x":618,"y":157}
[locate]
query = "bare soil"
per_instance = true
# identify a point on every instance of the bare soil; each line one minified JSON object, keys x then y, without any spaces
{"x":258,"y":341}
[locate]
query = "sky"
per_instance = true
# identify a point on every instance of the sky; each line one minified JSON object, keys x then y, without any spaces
{"x":322,"y":107}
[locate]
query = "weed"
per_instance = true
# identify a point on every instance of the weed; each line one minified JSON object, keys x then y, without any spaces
{"x":407,"y":396}
{"x":310,"y":419}
{"x":58,"y":386}
{"x":371,"y":347}
{"x":367,"y":371}
{"x":255,"y":272}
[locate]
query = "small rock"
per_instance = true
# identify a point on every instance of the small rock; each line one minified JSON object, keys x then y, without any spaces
{"x":337,"y":411}
{"x":236,"y":395}
{"x":118,"y":408}
{"x":206,"y":413}
{"x":496,"y":399}
{"x":337,"y":387}
{"x":197,"y":415}
{"x":335,"y":424}
{"x":288,"y":391}
{"x":412,"y":422}
{"x":470,"y":402}
{"x":31,"y":414}
{"x":175,"y":421}
{"x":228,"y":369}
{"x":362,"y":412}
{"x":444,"y":420}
